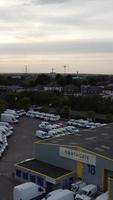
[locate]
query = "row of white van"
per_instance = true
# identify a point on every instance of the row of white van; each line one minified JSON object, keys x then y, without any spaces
{"x":80,"y":123}
{"x":83,"y":191}
{"x":54,"y":130}
{"x":12,"y":116}
{"x":42,"y":115}
{"x":79,"y":191}
{"x":6,"y":130}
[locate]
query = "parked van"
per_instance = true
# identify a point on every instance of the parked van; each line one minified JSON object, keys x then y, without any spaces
{"x":60,"y":194}
{"x":87,"y":192}
{"x":27,"y":191}
{"x":12,"y":112}
{"x":8,"y":118}
{"x":103,"y":196}
{"x":7,"y":125}
{"x":42,"y":134}
{"x":77,"y":186}
{"x":21,"y":112}
{"x":6,"y":130}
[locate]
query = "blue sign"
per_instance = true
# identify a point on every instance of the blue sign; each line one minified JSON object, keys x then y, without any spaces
{"x":92,"y":169}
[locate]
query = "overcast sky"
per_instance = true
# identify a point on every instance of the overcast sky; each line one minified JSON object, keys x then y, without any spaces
{"x":52,"y":33}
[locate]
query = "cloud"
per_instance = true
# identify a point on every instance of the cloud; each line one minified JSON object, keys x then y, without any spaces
{"x":56,"y":26}
{"x":48,"y":1}
{"x":58,"y":48}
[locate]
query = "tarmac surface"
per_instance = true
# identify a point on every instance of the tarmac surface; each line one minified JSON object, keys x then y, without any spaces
{"x":21,"y":147}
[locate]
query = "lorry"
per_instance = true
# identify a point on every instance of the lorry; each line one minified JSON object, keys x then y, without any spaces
{"x":8,"y":118}
{"x":87,"y":192}
{"x":77,"y":186}
{"x":42,"y":134}
{"x":60,"y":194}
{"x":103,"y":196}
{"x":27,"y":191}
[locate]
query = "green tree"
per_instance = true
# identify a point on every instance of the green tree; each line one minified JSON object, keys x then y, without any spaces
{"x":3,"y":105}
{"x":24,"y":103}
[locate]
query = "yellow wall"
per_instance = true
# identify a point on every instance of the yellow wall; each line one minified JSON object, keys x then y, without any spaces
{"x":79,"y":169}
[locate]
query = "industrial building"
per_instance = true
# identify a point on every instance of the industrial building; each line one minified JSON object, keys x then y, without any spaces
{"x":87,"y":155}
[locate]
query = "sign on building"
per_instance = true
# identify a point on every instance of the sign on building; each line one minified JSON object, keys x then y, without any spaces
{"x":77,"y":155}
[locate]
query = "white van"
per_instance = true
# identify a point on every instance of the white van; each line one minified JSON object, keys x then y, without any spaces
{"x":42,"y":134}
{"x":12,"y":112}
{"x":103,"y":196}
{"x":60,"y":194}
{"x":27,"y":191}
{"x":8,"y":118}
{"x":21,"y":112}
{"x":6,"y":130}
{"x":77,"y":186}
{"x":87,"y":192}
{"x":7,"y":125}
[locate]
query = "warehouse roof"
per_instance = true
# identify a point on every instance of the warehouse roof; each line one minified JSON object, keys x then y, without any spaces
{"x":44,"y":168}
{"x":98,"y":140}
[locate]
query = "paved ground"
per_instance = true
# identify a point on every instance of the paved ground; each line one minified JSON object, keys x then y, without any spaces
{"x":21,"y":146}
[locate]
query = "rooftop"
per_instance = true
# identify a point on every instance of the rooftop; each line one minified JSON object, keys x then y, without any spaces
{"x":44,"y":168}
{"x":97,"y":140}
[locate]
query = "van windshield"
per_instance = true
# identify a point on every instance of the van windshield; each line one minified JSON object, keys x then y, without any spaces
{"x":47,"y":196}
{"x":83,"y":192}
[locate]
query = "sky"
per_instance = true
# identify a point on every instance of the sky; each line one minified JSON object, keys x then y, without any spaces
{"x":46,"y":34}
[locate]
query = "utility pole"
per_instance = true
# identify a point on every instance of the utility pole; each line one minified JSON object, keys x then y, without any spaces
{"x":26,"y":69}
{"x":65,"y":68}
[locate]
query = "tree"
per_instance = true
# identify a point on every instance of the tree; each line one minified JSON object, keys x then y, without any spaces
{"x":91,"y":115}
{"x":42,"y":79}
{"x":3,"y":105}
{"x":24,"y":103}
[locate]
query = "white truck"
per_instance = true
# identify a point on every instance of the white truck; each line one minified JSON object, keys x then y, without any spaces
{"x":60,"y":194}
{"x":42,"y":134}
{"x":103,"y":196}
{"x":77,"y":186}
{"x":8,"y":118}
{"x":27,"y":191}
{"x":87,"y":192}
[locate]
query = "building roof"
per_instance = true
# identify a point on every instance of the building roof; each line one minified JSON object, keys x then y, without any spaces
{"x":44,"y":168}
{"x":97,"y":140}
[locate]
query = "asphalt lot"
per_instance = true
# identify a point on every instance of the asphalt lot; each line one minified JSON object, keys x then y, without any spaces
{"x":21,"y":147}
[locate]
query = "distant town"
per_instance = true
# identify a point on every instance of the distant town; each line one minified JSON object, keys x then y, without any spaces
{"x":70,"y":95}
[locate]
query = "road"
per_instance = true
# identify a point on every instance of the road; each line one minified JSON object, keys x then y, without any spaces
{"x":21,"y":147}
